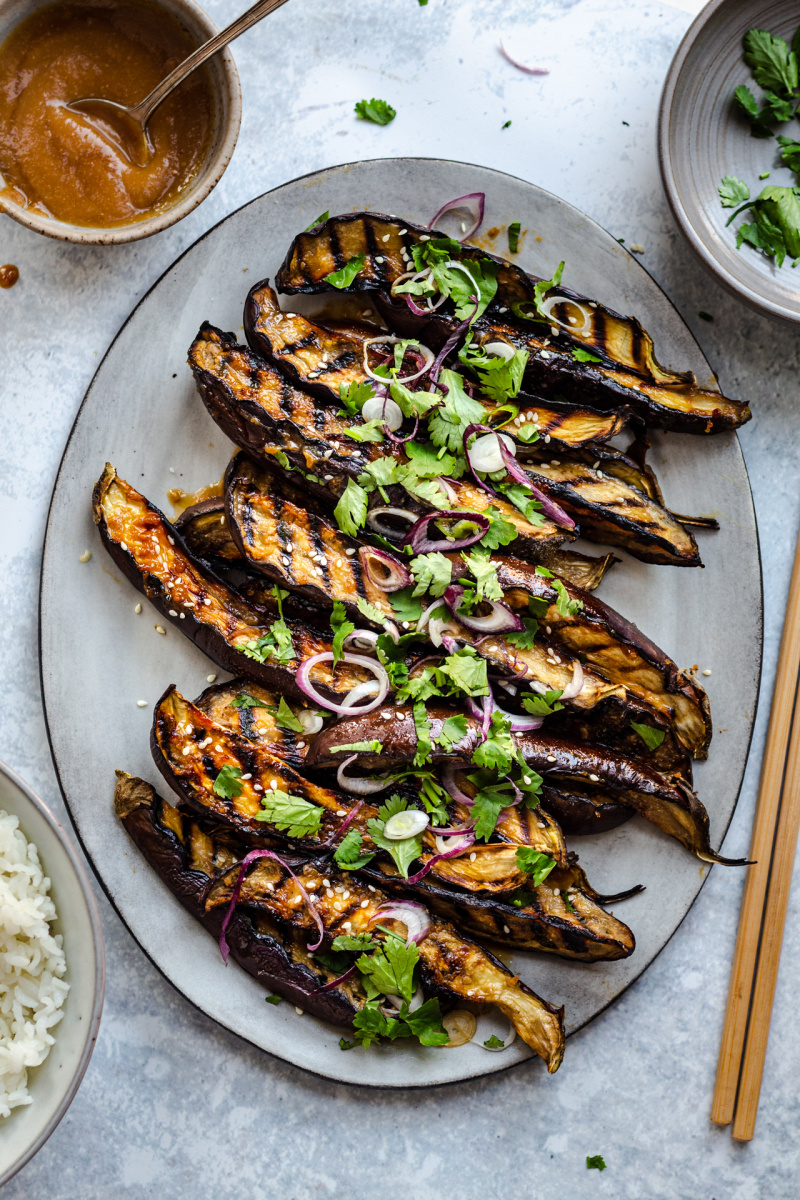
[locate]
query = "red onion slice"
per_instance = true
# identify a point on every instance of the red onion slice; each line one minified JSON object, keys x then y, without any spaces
{"x":453,"y":340}
{"x":351,"y":816}
{"x":328,"y":987}
{"x":361,"y":639}
{"x":573,"y":688}
{"x":415,"y":917}
{"x":404,"y":514}
{"x":473,"y":202}
{"x":520,"y":723}
{"x":420,"y":543}
{"x":467,"y":839}
{"x":383,"y":570}
{"x":554,"y":511}
{"x":448,"y":778}
{"x":250,"y":857}
{"x":500,"y":620}
{"x":391,"y":339}
{"x":437,"y":858}
{"x":359,"y":787}
{"x":368,"y":688}
{"x":521,"y":66}
{"x":358,"y":660}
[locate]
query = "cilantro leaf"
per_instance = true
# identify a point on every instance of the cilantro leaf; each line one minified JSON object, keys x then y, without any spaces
{"x":484,"y":571}
{"x":466,"y":671}
{"x":422,"y":727}
{"x":515,"y":227}
{"x":580,"y":354}
{"x":245,"y":700}
{"x":356,"y":942}
{"x":486,"y":808}
{"x":453,"y":730}
{"x":406,"y":606}
{"x":343,"y":1042}
{"x":349,"y":856}
{"x":428,"y":462}
{"x":462,"y":282}
{"x":432,"y":573}
{"x":351,"y":511}
{"x":389,"y":970}
{"x":341,"y":628}
{"x":500,"y":532}
{"x":346,"y":274}
{"x":524,"y":639}
{"x":596,"y":1162}
{"x":291,"y":814}
{"x":412,"y":404}
{"x":370,"y":611}
{"x":652,"y":738}
{"x":448,"y":424}
{"x":425,"y":1023}
{"x":285,"y":718}
{"x":272,"y":999}
{"x":534,"y":863}
{"x":790,"y":153}
{"x":277,"y":643}
{"x":540,"y":290}
{"x":354,"y":396}
{"x":371,"y":1024}
{"x":228,"y":783}
{"x":322,"y":217}
{"x":403,"y":852}
{"x":496,"y":752}
{"x":494,"y":1043}
{"x":370,"y":431}
{"x":566,"y":606}
{"x":523,"y":499}
{"x":373,"y":747}
{"x":733,"y":191}
{"x":773,"y":64}
{"x":543,"y":706}
{"x":377,"y":111}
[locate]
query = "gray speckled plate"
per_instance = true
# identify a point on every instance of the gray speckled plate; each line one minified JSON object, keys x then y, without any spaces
{"x":701,"y":138}
{"x":99,"y":658}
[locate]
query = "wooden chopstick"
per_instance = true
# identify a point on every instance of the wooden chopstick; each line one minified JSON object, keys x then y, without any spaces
{"x":766,"y":893}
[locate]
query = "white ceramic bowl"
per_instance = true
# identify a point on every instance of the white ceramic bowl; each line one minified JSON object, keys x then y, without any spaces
{"x":228,"y":116}
{"x":53,"y":1085}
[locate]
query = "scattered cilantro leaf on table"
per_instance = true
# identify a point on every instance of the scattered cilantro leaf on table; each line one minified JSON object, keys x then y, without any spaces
{"x":380,"y":112}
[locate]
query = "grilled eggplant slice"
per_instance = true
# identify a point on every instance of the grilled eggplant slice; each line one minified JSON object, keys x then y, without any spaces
{"x":323,"y":357}
{"x":151,"y":552}
{"x":670,"y":804}
{"x":581,"y":811}
{"x":452,"y":967}
{"x":610,"y":510}
{"x":275,"y":423}
{"x":204,"y":529}
{"x":256,"y":718}
{"x":186,"y":858}
{"x":628,"y":373}
{"x":561,"y":916}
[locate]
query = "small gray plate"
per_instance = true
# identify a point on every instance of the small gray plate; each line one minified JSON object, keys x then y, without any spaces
{"x":99,"y":658}
{"x":702,"y":137}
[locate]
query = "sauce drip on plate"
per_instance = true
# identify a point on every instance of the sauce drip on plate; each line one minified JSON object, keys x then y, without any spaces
{"x":61,"y":163}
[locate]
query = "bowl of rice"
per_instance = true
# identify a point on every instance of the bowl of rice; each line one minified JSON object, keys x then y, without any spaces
{"x":51,"y":973}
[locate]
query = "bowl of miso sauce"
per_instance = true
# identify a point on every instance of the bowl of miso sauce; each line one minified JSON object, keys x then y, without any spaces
{"x":60,"y":174}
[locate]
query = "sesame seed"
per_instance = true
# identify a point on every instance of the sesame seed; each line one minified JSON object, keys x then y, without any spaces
{"x":595,"y":465}
{"x":160,"y":629}
{"x":473,"y":856}
{"x":403,"y":232}
{"x":547,"y":437}
{"x":181,"y":616}
{"x":425,"y":237}
{"x":551,"y":758}
{"x":554,"y":330}
{"x":172,"y":470}
{"x":341,"y":812}
{"x":206,"y":600}
{"x":171,"y":541}
{"x":595,"y":778}
{"x":218,"y":748}
{"x":502,"y":309}
{"x":378,"y":258}
{"x":123,"y":545}
{"x":518,"y":733}
{"x":211,"y":678}
{"x":186,"y":750}
{"x":365,"y":903}
{"x":172,"y":612}
{"x":300,"y":745}
{"x":87,"y":554}
{"x":548,"y":629}
{"x":346,"y":896}
{"x":349,"y":551}
{"x":273,"y":783}
{"x":249,"y":775}
{"x":337,"y":904}
{"x":386,"y":238}
{"x":348,"y":925}
{"x":526,"y":779}
{"x":371,"y":888}
{"x":286,"y":561}
{"x":387,"y":716}
{"x":328,"y":478}
{"x":506,"y":929}
{"x":544,"y":354}
{"x":299,"y":1011}
{"x":257,"y":787}
{"x":706,"y":672}
{"x":327,"y":453}
{"x":556,"y":462}
{"x":326,"y":883}
{"x":141,"y":704}
{"x":137,"y":608}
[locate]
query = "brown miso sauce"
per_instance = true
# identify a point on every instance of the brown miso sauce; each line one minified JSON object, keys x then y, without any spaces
{"x":60,"y":163}
{"x":181,"y":500}
{"x":9,"y":274}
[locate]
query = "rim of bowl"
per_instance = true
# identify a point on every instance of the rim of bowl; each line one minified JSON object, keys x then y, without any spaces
{"x":697,"y":244}
{"x":98,"y":946}
{"x":194,"y":196}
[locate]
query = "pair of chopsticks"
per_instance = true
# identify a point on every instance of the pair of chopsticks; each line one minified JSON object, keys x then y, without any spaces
{"x":766,"y":893}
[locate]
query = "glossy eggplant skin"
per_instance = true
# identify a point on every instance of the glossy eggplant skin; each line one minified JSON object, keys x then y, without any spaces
{"x":452,"y":967}
{"x":169,"y":840}
{"x":669,"y":803}
{"x":217,"y":618}
{"x":277,"y":424}
{"x":628,"y":373}
{"x":580,"y":813}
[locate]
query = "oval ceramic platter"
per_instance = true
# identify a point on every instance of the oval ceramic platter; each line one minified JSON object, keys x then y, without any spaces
{"x":99,"y":658}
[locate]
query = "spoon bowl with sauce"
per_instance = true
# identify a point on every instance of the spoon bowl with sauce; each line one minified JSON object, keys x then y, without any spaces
{"x":71,"y":172}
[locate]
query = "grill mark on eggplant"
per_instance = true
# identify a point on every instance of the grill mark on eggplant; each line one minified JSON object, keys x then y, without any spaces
{"x":670,"y":804}
{"x":258,"y":724}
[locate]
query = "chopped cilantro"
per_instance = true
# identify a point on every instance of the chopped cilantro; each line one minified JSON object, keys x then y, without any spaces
{"x":432,"y":573}
{"x":487,"y":806}
{"x":494,"y":1043}
{"x":341,"y":628}
{"x":500,"y":378}
{"x":285,"y":718}
{"x":505,"y":125}
{"x":466,"y":671}
{"x":496,"y":752}
{"x":452,"y":731}
{"x":565,"y":605}
{"x":540,"y":290}
{"x":412,"y":404}
{"x":351,"y":511}
{"x":568,"y":903}
{"x":277,"y":643}
{"x":343,"y":1042}
{"x":272,"y":999}
{"x":354,"y":396}
{"x":370,"y":611}
{"x":484,"y":571}
{"x":595,"y":1162}
{"x":513,"y":230}
{"x":524,"y":639}
{"x":773,"y":64}
{"x":428,"y":462}
{"x":652,"y":738}
{"x":424,"y":1022}
{"x":291,"y":814}
{"x":580,"y":354}
{"x":377,"y":111}
{"x":733,"y":191}
{"x":523,"y":499}
{"x":228,"y":783}
{"x":422,"y":728}
{"x":500,"y":532}
{"x":462,"y":282}
{"x":370,"y":431}
{"x":543,"y":706}
{"x":405,"y":604}
{"x":374,"y":747}
{"x":403,"y":852}
{"x":389,"y":970}
{"x":322,"y":217}
{"x":534,"y":863}
{"x":354,"y":942}
{"x":245,"y":700}
{"x":346,"y":274}
{"x":349,"y":855}
{"x":790,"y":155}
{"x":448,"y":424}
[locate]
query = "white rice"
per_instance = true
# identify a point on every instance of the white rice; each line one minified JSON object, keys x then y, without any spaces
{"x":32,"y":962}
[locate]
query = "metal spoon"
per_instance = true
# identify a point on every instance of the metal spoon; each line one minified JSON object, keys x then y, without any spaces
{"x":126,"y":126}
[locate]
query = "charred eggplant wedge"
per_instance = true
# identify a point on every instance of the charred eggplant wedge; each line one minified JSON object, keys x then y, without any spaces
{"x":279,"y":425}
{"x":322,"y":359}
{"x":240,"y":636}
{"x":549,"y":327}
{"x":187,"y":858}
{"x":669,"y":804}
{"x":452,"y":968}
{"x":252,"y":712}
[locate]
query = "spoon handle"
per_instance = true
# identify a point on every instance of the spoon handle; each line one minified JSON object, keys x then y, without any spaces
{"x":143,"y":110}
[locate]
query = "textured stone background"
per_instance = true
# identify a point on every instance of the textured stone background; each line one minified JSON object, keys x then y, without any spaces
{"x":174,"y":1106}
